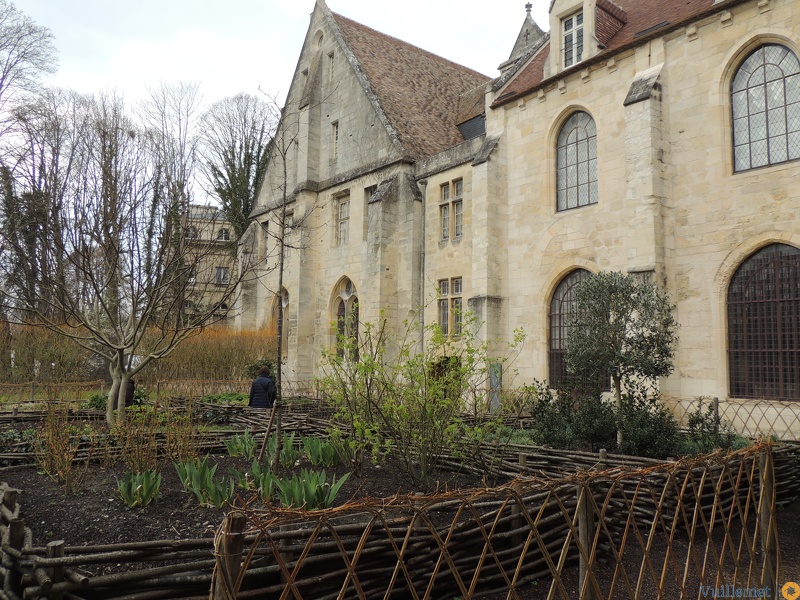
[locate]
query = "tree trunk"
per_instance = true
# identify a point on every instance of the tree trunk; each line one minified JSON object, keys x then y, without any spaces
{"x":617,"y":382}
{"x":112,"y":394}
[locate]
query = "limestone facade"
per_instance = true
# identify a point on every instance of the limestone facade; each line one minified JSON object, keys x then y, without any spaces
{"x":668,"y":203}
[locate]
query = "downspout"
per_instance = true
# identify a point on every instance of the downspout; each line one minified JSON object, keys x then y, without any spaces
{"x":423,"y":184}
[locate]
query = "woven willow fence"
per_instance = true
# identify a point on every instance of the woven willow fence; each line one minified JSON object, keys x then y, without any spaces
{"x":751,"y":418}
{"x":662,"y":531}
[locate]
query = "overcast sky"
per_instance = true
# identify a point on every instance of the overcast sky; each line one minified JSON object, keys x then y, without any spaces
{"x":232,"y":46}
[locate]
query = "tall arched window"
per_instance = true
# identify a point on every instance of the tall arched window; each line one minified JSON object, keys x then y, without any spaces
{"x":345,"y":305}
{"x":765,"y":105}
{"x":576,"y":162}
{"x":562,"y":307}
{"x":764,"y":325}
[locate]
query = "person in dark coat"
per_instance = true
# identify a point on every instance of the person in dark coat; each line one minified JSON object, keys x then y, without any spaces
{"x":262,"y":392}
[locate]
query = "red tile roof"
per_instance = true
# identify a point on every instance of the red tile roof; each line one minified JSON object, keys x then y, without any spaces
{"x":641,"y":16}
{"x":417,"y":90}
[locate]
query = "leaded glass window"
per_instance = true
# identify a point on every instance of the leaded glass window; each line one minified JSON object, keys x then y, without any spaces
{"x":576,"y":162}
{"x":765,"y":107}
{"x":764,"y":325}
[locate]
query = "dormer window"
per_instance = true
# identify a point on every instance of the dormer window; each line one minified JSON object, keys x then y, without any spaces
{"x":572,"y":39}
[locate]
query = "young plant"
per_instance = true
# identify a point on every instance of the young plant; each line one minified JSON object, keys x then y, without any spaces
{"x":139,"y":489}
{"x":320,"y":452}
{"x":198,"y":478}
{"x":289,"y":454}
{"x":242,"y":445}
{"x":309,"y":490}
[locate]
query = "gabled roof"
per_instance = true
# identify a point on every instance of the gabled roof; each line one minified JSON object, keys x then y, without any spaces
{"x":417,"y":91}
{"x":643,"y":20}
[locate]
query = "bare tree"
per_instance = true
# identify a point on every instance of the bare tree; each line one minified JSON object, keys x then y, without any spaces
{"x":236,"y":134}
{"x":26,"y":52}
{"x":125,"y":264}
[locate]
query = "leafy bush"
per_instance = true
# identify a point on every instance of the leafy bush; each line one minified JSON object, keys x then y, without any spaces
{"x":562,"y":421}
{"x":706,"y":431}
{"x":228,"y":398}
{"x":95,"y":402}
{"x":648,"y":426}
{"x":139,"y":489}
{"x":242,"y":445}
{"x":198,"y":478}
{"x":309,"y":490}
{"x":320,"y":452}
{"x":390,"y":397}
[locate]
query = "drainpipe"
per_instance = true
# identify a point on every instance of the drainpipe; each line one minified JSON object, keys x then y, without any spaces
{"x":423,"y":185}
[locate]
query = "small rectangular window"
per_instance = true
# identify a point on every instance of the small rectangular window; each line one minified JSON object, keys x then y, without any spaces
{"x":344,"y":221}
{"x":330,"y":66}
{"x":444,"y":218}
{"x":456,"y":286}
{"x":458,"y":189}
{"x":444,"y":316}
{"x":573,"y":39}
{"x":335,"y":139}
{"x":222,"y":276}
{"x":444,"y":285}
{"x":456,"y":309}
{"x":445,"y":193}
{"x":458,"y":219}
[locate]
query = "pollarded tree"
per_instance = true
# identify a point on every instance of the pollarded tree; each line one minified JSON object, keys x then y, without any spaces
{"x":622,"y":326}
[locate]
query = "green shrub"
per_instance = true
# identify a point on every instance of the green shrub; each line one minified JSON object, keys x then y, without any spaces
{"x":320,"y":452}
{"x":242,"y":445}
{"x":228,"y":398}
{"x":95,"y":402}
{"x":309,"y":490}
{"x":648,"y":426}
{"x":139,"y":489}
{"x":707,"y":432}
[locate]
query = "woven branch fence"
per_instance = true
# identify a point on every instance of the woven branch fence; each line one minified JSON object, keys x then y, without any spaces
{"x":605,"y":532}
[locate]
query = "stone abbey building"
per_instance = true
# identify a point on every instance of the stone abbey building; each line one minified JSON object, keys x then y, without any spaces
{"x":649,"y":137}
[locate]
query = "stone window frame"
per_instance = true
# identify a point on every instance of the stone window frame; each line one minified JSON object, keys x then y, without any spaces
{"x":776,"y":127}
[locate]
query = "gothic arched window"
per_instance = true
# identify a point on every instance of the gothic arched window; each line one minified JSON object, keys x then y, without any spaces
{"x":345,"y":306}
{"x":765,"y":106}
{"x":764,"y":325}
{"x":576,"y":162}
{"x":562,"y":307}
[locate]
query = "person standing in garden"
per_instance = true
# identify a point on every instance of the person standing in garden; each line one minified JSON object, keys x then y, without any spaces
{"x":262,"y":391}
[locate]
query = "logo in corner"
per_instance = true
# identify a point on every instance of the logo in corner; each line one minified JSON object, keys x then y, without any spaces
{"x":790,"y":590}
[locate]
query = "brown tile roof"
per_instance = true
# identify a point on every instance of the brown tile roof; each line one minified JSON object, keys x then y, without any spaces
{"x":417,"y":91}
{"x":645,"y":19}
